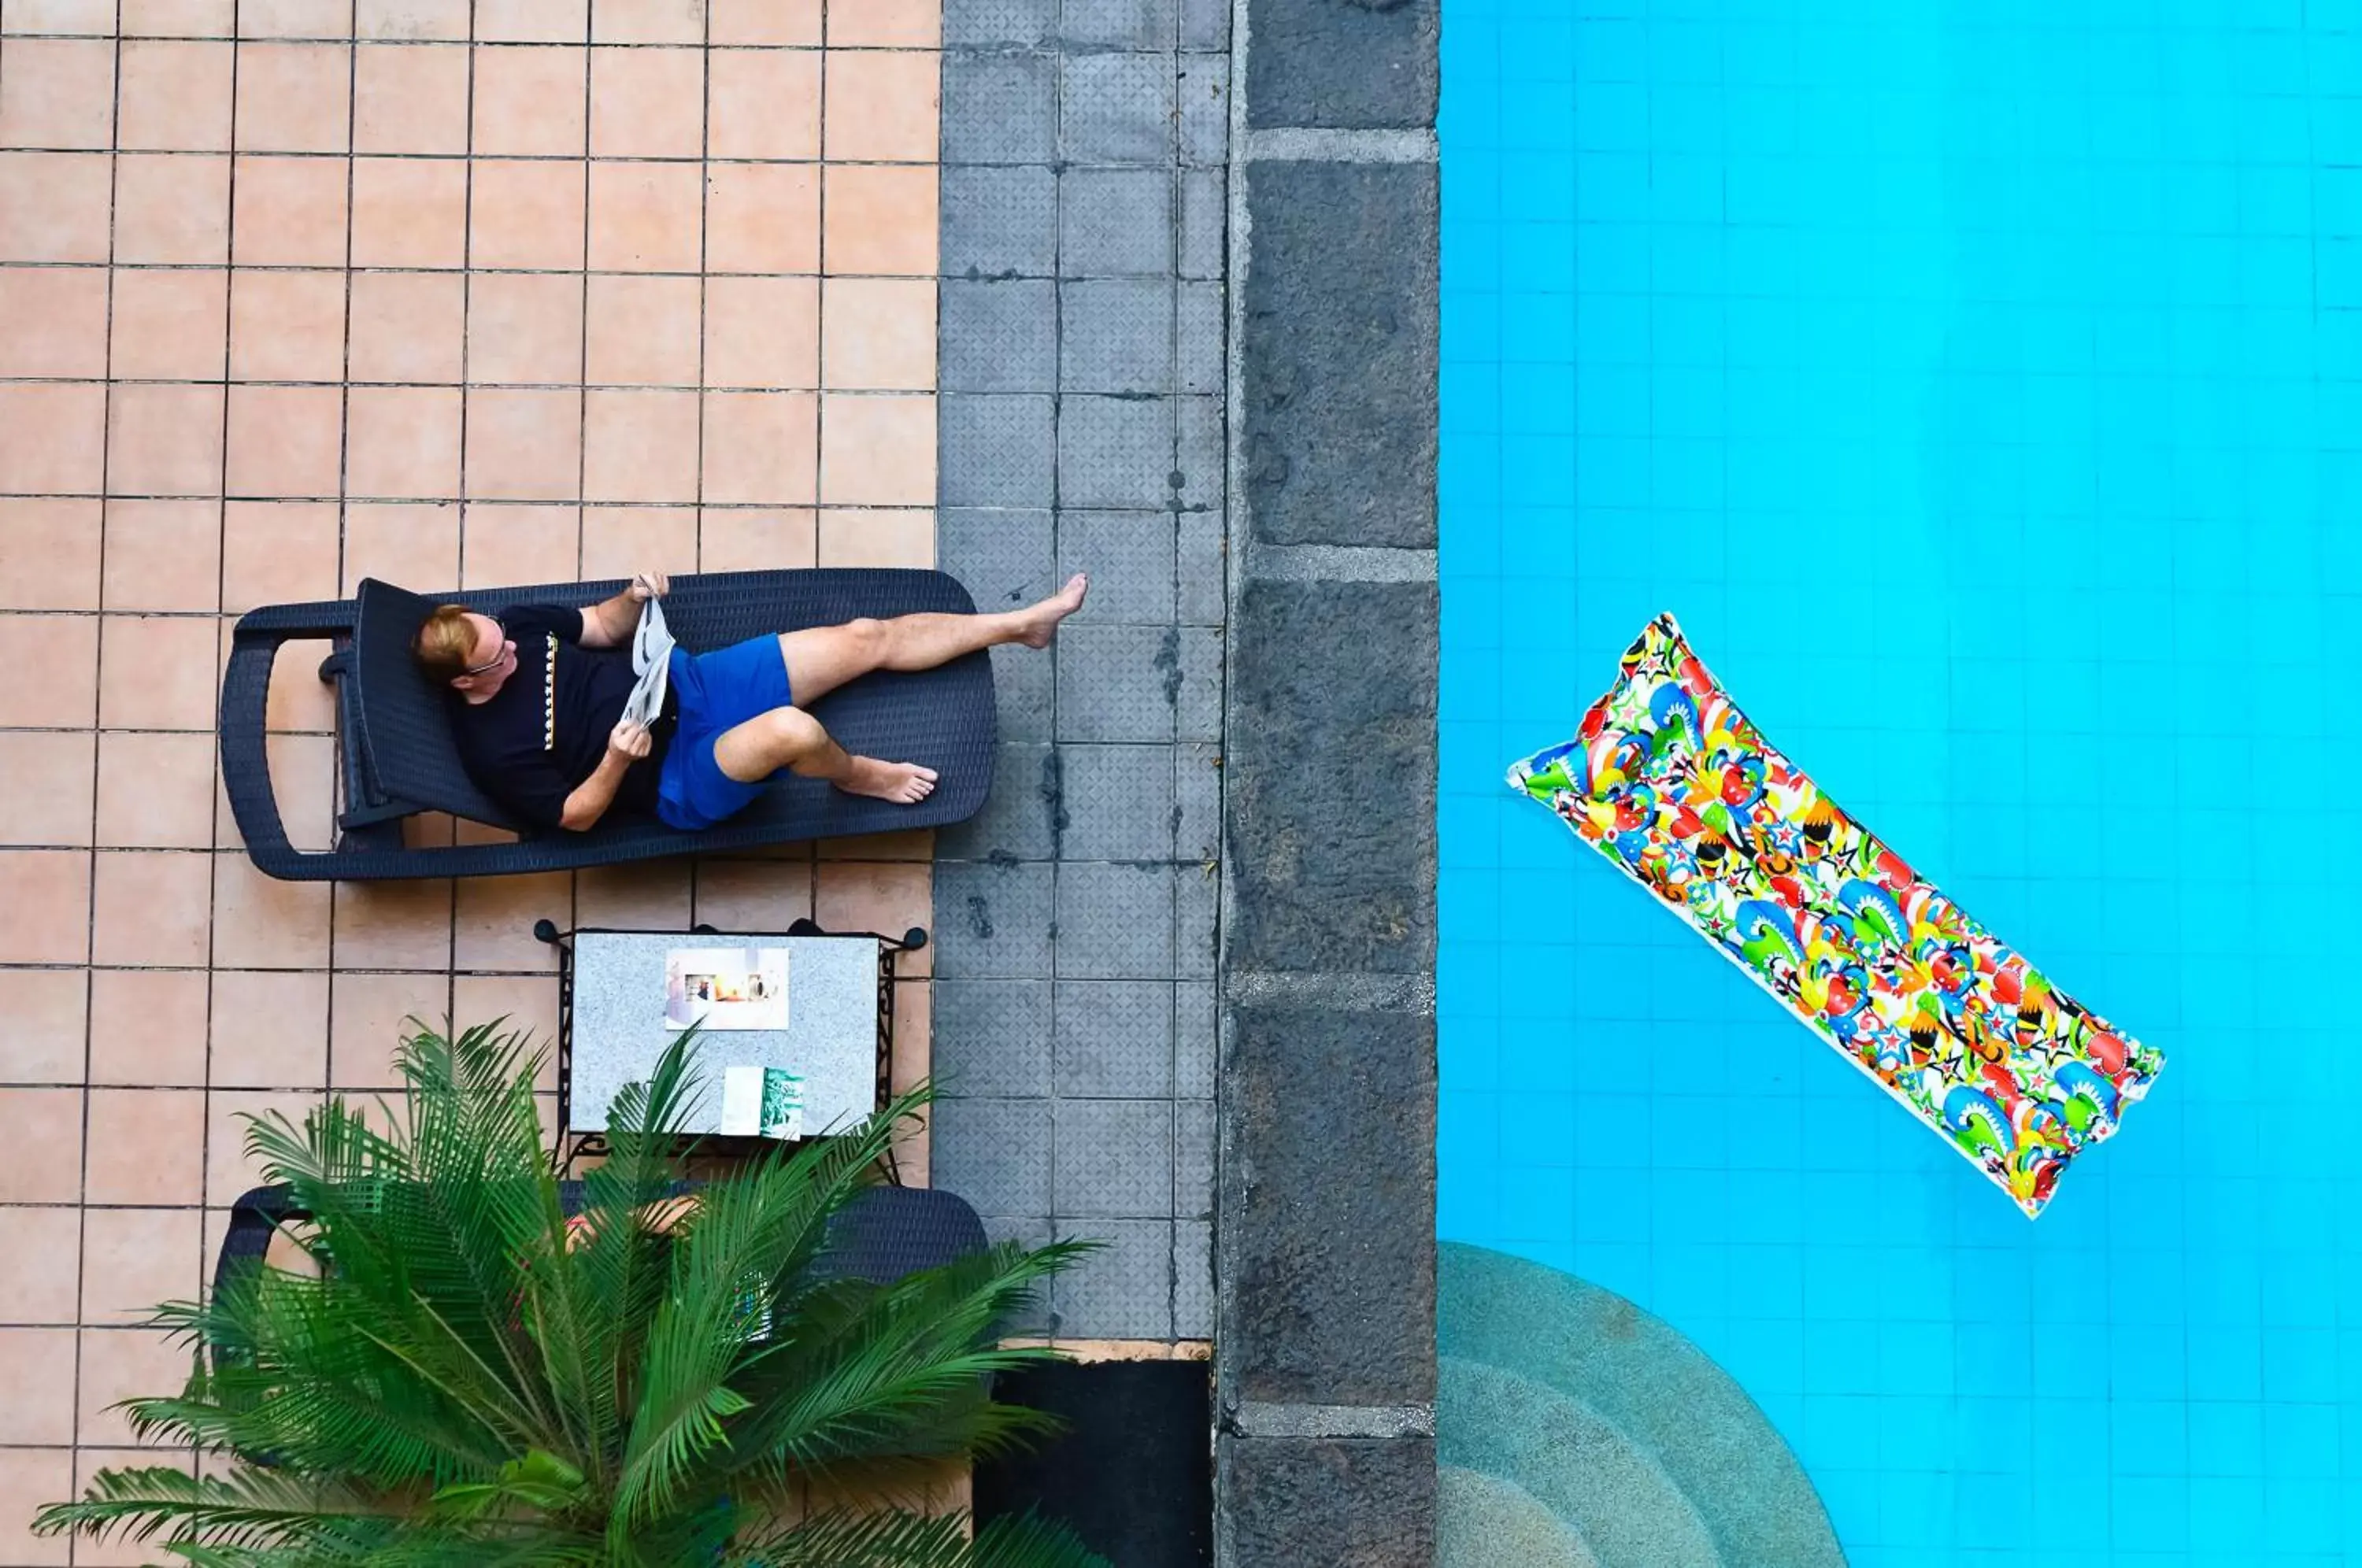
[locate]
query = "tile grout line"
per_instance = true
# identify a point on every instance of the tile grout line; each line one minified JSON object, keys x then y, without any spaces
{"x":90,"y":932}
{"x":467,"y":296}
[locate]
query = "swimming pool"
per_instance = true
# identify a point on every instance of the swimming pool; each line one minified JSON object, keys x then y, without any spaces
{"x":1982,"y":388}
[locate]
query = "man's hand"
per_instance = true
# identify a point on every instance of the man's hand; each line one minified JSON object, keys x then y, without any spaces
{"x":611,"y":622}
{"x":629,"y":740}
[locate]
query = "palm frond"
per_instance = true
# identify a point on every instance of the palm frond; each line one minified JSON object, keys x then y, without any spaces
{"x":246,"y":1509}
{"x":903,"y":1540}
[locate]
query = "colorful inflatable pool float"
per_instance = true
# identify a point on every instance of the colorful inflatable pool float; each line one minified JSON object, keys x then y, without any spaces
{"x":1669,"y":780}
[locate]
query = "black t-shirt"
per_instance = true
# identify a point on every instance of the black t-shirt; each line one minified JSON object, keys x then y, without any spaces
{"x":545,"y":731}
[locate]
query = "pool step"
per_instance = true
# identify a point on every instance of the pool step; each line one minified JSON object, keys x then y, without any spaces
{"x":1602,"y":1489}
{"x":1485,"y":1521}
{"x":1636,"y":1376}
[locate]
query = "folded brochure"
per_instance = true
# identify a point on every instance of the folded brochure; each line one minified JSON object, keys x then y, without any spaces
{"x":762,"y":1102}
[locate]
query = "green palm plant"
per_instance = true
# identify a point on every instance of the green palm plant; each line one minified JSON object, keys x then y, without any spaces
{"x":473,"y":1380}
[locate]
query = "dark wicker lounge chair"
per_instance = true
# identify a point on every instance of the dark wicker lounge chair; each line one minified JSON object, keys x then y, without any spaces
{"x":881,"y":1235}
{"x":397,"y":757}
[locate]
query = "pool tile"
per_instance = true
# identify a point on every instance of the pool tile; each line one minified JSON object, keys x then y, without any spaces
{"x":43,"y":1129}
{"x":147,"y":1147}
{"x":37,"y":1364}
{"x":150,"y":907}
{"x":504,"y":544}
{"x":407,"y":212}
{"x":525,"y":445}
{"x":47,"y":779}
{"x":59,"y":93}
{"x":524,"y":327}
{"x":43,"y":1295}
{"x":763,"y":217}
{"x":369,"y":1016}
{"x":620,"y":540}
{"x":164,"y":440}
{"x":270,"y":1030}
{"x":287,"y":326}
{"x":647,"y":102}
{"x":878,"y":334}
{"x":525,"y":214}
{"x":763,"y":104}
{"x":290,"y":211}
{"x":51,"y":435}
{"x":762,"y":332}
{"x":407,"y":326}
{"x":641,"y":446}
{"x":751,"y":895}
{"x":881,"y":219}
{"x":888,"y":24}
{"x":645,"y":896}
{"x":881,"y":106}
{"x":643,"y":331}
{"x":294,"y":19}
{"x":54,"y":205}
{"x":411,"y":98}
{"x":493,"y":919}
{"x":155,"y":791}
{"x":176,"y":18}
{"x":644,"y":217}
{"x":531,"y":102}
{"x":759,"y":447}
{"x":402,"y":442}
{"x":48,"y":554}
{"x":157,"y":672}
{"x":59,"y":317}
{"x":65,"y":647}
{"x":283,"y":441}
{"x":878,"y":450}
{"x":757,"y":539}
{"x":887,"y":897}
{"x":278,"y":552}
{"x":415,"y":546}
{"x":294,"y":97}
{"x":168,"y":324}
{"x":876,"y":536}
{"x":765,"y":21}
{"x":393,"y":925}
{"x":260,"y":921}
{"x":135,"y":1259}
{"x":646,"y":22}
{"x":532,"y":21}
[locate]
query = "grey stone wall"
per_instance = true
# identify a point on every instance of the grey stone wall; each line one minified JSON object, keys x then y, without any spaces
{"x":1325,"y":1338}
{"x":1082,"y":352}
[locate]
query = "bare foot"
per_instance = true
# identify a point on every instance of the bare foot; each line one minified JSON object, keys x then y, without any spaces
{"x":1041,"y":620}
{"x":906,"y":783}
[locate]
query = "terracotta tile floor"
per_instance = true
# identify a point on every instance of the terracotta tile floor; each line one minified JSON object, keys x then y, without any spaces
{"x":292,"y":291}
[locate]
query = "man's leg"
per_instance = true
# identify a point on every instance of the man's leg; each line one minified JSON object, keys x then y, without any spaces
{"x":793,"y":739}
{"x":822,"y":658}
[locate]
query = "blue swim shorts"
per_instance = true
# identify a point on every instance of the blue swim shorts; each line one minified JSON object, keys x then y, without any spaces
{"x":716,"y":692}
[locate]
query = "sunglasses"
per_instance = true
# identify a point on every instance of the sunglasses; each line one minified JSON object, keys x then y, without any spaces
{"x":494,"y":662}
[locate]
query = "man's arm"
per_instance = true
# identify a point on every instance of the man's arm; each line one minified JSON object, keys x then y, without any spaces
{"x":626,"y":744}
{"x":611,"y":622}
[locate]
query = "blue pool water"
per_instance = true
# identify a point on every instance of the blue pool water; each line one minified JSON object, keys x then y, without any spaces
{"x":1981,"y":385}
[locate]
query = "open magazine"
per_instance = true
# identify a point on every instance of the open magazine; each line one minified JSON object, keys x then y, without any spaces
{"x":720,"y":989}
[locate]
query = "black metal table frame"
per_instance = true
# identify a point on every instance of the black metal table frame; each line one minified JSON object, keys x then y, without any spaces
{"x":572,"y":1146}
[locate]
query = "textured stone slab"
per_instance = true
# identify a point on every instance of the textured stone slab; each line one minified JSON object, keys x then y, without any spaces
{"x":1125,"y":1291}
{"x":999,"y":223}
{"x":1338,"y":347}
{"x":999,"y":335}
{"x":1328,"y":1206}
{"x":998,"y":450}
{"x":992,"y":920}
{"x":999,"y":108}
{"x":1114,"y":1038}
{"x":1020,"y":820}
{"x":1114,"y":1159}
{"x":831,"y":1038}
{"x":1115,"y":223}
{"x":1330,"y":776}
{"x":1117,"y":802}
{"x":1350,"y":64}
{"x":1341,"y":1502}
{"x":992,"y":1037}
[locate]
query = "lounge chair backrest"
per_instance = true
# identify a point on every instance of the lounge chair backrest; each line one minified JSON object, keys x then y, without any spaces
{"x":398,"y":715}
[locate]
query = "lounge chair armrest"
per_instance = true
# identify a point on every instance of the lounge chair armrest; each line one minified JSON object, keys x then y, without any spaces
{"x":244,"y":703}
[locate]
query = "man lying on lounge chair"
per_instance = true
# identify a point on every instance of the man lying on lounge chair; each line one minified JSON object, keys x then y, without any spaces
{"x":539,"y":690}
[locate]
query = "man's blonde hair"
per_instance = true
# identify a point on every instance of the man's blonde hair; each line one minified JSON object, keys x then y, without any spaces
{"x":446,"y":645}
